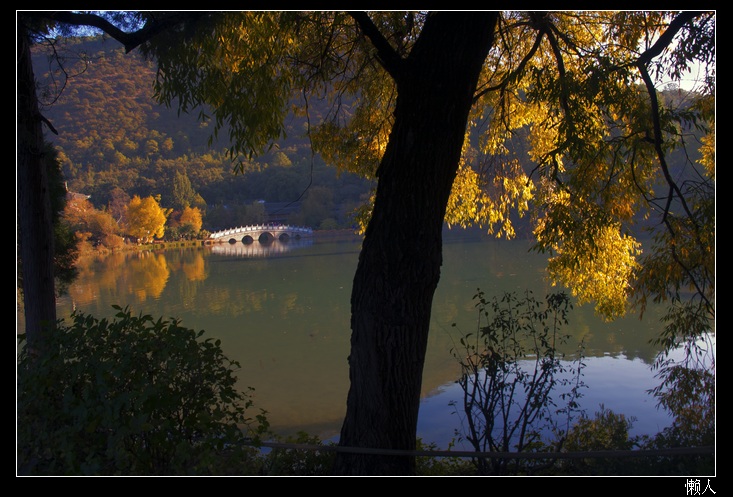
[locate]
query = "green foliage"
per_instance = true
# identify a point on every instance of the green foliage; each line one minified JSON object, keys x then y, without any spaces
{"x":66,"y":251}
{"x":234,"y":64}
{"x":680,"y":435}
{"x":510,"y":371}
{"x":132,"y":396}
{"x":296,"y":462}
{"x":687,"y":386}
{"x":316,"y":207}
{"x":183,"y":193}
{"x":607,"y":431}
{"x":441,"y":466}
{"x":328,"y":224}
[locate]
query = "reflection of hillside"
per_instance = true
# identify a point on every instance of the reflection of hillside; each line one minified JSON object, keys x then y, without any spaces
{"x":257,"y":249}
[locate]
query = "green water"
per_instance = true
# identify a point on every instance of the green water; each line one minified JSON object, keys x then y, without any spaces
{"x":282,"y":311}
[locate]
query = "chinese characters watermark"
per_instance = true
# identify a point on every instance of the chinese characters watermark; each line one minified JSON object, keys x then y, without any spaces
{"x":693,"y":487}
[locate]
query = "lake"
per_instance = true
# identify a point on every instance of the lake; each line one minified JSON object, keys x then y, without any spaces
{"x":282,"y":311}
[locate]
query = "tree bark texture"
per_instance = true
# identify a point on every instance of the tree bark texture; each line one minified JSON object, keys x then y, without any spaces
{"x":35,"y":229}
{"x":400,"y":260}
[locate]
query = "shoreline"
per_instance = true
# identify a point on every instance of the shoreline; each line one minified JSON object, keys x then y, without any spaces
{"x":332,"y":235}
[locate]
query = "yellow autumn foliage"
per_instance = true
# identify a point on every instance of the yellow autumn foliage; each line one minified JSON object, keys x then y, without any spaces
{"x":145,"y":219}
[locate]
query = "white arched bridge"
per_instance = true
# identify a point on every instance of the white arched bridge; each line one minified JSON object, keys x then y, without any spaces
{"x":262,"y":232}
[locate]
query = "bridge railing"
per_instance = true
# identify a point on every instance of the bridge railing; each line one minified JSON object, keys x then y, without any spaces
{"x":259,"y":229}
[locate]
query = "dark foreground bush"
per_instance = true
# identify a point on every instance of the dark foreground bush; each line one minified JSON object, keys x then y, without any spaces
{"x":132,"y":396}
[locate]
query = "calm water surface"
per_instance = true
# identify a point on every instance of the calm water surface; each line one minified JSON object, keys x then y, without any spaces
{"x":282,"y":311}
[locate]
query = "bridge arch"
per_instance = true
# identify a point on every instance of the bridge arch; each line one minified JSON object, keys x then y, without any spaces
{"x":263,"y":233}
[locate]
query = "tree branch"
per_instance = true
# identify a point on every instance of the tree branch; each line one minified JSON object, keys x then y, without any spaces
{"x":517,"y":72}
{"x":388,"y":56}
{"x":666,"y":39}
{"x":663,"y":42}
{"x":129,"y":40}
{"x":673,"y":187}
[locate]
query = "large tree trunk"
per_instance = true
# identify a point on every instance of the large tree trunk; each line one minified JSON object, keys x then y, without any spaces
{"x":401,"y":256}
{"x":35,"y":228}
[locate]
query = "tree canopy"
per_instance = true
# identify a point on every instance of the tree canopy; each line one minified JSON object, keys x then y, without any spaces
{"x":145,"y":219}
{"x":582,"y":88}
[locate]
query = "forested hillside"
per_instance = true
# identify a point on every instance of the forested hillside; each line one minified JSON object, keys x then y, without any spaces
{"x":115,"y":142}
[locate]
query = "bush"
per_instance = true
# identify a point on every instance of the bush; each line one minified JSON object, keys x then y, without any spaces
{"x":299,"y":462}
{"x":328,"y":224}
{"x":132,"y":396}
{"x":607,"y":431}
{"x":441,"y":466}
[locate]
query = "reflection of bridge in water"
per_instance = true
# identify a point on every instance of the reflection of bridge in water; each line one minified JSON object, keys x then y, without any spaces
{"x":263,"y":233}
{"x":267,"y":249}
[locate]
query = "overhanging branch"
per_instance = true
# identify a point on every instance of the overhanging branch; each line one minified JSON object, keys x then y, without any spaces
{"x":388,"y":56}
{"x":666,"y":39}
{"x":130,"y":40}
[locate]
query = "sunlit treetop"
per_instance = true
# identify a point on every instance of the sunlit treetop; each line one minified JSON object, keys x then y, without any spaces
{"x":581,"y":87}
